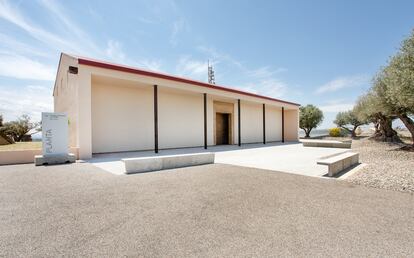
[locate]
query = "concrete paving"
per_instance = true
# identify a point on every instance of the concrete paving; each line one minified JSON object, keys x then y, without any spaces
{"x":206,"y":211}
{"x":284,"y":157}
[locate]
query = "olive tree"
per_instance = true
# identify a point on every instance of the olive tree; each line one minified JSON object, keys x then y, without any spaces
{"x":309,"y":117}
{"x":392,"y":94}
{"x":16,"y":130}
{"x":349,"y":121}
{"x":370,"y":108}
{"x":398,"y":84}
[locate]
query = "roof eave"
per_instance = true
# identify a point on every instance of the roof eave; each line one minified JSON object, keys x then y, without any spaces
{"x":121,"y":68}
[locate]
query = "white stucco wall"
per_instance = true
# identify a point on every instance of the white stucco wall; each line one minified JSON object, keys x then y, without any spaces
{"x":180,"y":119}
{"x":291,"y":125}
{"x":122,"y":118}
{"x":65,"y":96}
{"x":251,"y":122}
{"x":273,"y":124}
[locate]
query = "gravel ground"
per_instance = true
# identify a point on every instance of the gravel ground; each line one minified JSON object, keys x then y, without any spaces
{"x":387,"y":167}
{"x":78,"y":210}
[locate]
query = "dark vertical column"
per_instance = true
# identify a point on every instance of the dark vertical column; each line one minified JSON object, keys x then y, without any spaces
{"x":264,"y":124}
{"x":239,"y":120}
{"x":283,"y":124}
{"x":156,"y":118}
{"x":205,"y":120}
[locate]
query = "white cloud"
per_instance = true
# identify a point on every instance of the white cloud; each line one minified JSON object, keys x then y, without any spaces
{"x":153,"y":65}
{"x":11,"y":45}
{"x":269,"y":87}
{"x":192,"y":68}
{"x":272,"y":87}
{"x":20,"y":67}
{"x":259,"y":81}
{"x":219,"y":57}
{"x":31,"y":100}
{"x":76,"y":35}
{"x":262,"y":80}
{"x":114,"y":51}
{"x":146,"y":20}
{"x":265,"y":71}
{"x":21,"y":61}
{"x":13,"y":15}
{"x":335,"y":108}
{"x":177,"y":27}
{"x":343,"y":82}
{"x":72,"y":38}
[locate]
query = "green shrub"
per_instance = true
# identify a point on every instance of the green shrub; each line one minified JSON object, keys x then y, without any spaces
{"x":335,"y":132}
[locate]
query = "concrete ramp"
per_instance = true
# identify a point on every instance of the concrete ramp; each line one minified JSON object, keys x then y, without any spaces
{"x":146,"y":164}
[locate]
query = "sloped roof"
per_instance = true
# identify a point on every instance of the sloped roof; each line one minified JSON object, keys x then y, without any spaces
{"x":134,"y":70}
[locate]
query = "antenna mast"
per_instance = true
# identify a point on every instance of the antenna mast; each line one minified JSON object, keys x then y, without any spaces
{"x":211,"y":78}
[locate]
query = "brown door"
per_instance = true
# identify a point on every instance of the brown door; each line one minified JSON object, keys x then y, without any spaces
{"x":222,"y":128}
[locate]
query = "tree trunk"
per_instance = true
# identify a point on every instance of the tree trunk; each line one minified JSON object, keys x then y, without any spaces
{"x":378,"y":132}
{"x":346,"y":129}
{"x":307,"y":133}
{"x":19,"y":138}
{"x":387,"y":134}
{"x":353,"y":134}
{"x":409,"y":123}
{"x":376,"y":125}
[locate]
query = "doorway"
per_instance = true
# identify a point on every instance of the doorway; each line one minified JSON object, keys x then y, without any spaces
{"x":222,"y":128}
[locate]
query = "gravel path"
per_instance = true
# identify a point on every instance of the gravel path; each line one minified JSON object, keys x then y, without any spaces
{"x":387,"y":167}
{"x":78,"y":210}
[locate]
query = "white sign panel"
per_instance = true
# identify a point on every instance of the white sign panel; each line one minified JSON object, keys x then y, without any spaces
{"x":54,"y":133}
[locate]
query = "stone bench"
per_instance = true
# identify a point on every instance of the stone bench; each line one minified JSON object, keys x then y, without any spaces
{"x":146,"y":164}
{"x":339,"y":162}
{"x":327,"y":144}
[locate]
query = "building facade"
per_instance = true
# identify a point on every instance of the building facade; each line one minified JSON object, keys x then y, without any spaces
{"x":115,"y":108}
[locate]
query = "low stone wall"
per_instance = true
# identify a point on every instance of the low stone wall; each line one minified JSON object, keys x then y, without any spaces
{"x":24,"y":156}
{"x":327,"y":144}
{"x":146,"y":164}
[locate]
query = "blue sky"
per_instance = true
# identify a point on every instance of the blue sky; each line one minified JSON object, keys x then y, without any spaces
{"x":319,"y":52}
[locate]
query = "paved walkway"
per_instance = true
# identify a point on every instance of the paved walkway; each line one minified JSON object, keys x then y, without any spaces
{"x":78,"y":210}
{"x":284,"y":157}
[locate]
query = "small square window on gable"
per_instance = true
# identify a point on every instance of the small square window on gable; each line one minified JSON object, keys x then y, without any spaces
{"x":73,"y":69}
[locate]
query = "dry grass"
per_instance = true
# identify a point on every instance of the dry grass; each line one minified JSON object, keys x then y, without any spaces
{"x":21,"y":146}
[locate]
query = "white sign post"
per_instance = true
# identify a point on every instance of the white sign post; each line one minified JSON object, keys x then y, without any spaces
{"x":54,"y":134}
{"x":54,"y":140}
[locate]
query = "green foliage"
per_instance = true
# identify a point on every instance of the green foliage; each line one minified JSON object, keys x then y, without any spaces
{"x":335,"y":132}
{"x":399,"y":77}
{"x":5,"y":137}
{"x":391,"y":95}
{"x":349,"y":121}
{"x":347,"y":118}
{"x":365,"y":107}
{"x":16,"y":130}
{"x":309,"y":117}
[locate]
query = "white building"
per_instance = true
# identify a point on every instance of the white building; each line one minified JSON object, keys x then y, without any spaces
{"x":114,"y":108}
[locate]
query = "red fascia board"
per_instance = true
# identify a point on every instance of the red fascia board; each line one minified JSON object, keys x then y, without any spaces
{"x":127,"y":69}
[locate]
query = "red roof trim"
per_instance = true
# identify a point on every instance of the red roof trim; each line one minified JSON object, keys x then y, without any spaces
{"x":127,"y":69}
